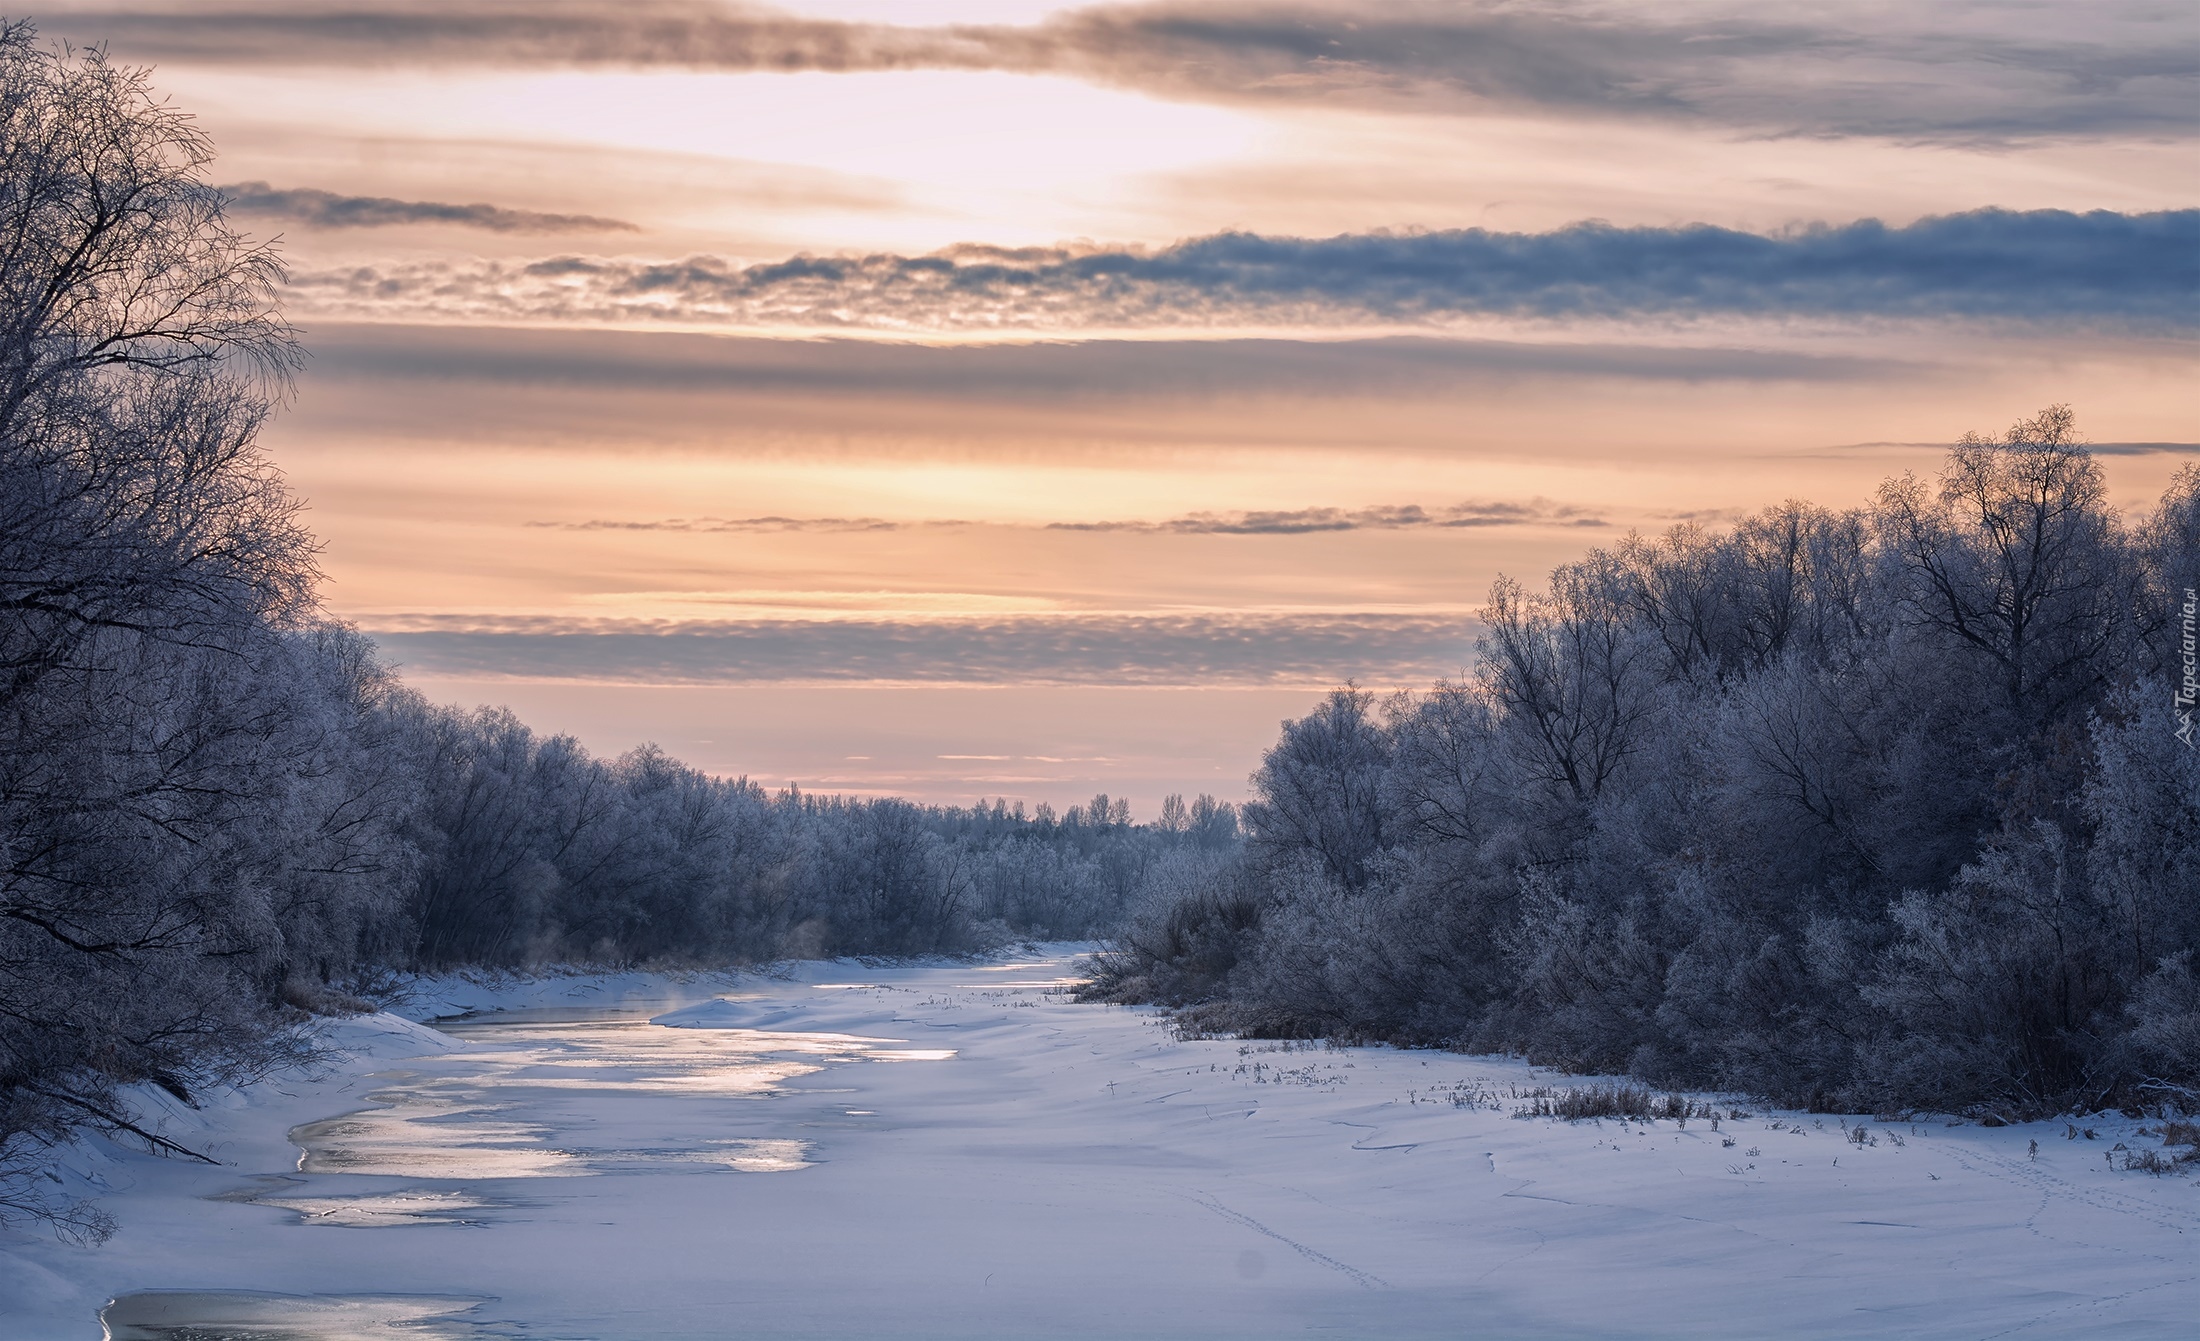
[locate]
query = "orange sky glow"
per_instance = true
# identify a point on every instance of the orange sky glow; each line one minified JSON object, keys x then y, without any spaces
{"x":1021,"y":399}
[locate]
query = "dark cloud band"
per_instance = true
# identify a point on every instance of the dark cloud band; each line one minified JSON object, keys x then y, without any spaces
{"x":327,"y":209}
{"x":1295,"y":521}
{"x":503,"y":361}
{"x":1311,"y":521}
{"x":1990,"y":72}
{"x":2137,"y":271}
{"x":1087,"y":650}
{"x":738,"y":525}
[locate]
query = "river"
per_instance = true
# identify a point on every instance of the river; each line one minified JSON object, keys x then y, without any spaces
{"x":963,"y":1150}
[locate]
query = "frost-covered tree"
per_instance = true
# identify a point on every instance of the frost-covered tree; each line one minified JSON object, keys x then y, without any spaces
{"x":1321,"y":788}
{"x":1886,"y":807}
{"x":194,"y":826}
{"x":2016,"y":561}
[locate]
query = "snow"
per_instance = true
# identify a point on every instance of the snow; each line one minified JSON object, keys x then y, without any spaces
{"x":953,"y":1150}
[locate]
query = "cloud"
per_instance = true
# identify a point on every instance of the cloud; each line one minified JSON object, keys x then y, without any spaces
{"x":1130,"y":650}
{"x":559,"y":388}
{"x":730,"y":525}
{"x":1305,"y":521}
{"x":2097,"y":448}
{"x":2041,"y":266}
{"x":1300,"y":521}
{"x":2144,"y":448}
{"x":326,"y":209}
{"x":1934,"y":72}
{"x":1048,"y":372}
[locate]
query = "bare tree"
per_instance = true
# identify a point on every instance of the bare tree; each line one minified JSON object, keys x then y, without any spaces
{"x":2015,"y":557}
{"x":176,"y":763}
{"x":1322,"y":788}
{"x":1574,"y":673}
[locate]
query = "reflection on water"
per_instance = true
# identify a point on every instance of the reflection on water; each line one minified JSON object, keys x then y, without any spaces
{"x":370,"y":1210}
{"x":514,"y":1109}
{"x":760,"y":1156}
{"x":535,"y":1098}
{"x":418,"y":1137}
{"x":245,"y":1315}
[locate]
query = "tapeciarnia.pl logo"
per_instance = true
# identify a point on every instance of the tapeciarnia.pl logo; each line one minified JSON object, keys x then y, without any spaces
{"x":2188,"y":650}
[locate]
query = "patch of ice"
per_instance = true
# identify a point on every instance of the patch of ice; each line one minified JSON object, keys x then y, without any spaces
{"x":247,"y":1315}
{"x":760,"y":1156}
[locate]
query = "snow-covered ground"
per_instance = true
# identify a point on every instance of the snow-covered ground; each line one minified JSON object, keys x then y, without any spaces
{"x":961,"y":1151}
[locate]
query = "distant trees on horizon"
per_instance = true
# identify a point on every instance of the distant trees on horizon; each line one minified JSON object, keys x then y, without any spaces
{"x":528,"y":851}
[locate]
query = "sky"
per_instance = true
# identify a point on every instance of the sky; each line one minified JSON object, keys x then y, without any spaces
{"x":966,"y":399}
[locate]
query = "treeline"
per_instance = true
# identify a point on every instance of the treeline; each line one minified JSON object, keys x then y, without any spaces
{"x":1891,"y":807}
{"x":219,"y":811}
{"x":521,"y":849}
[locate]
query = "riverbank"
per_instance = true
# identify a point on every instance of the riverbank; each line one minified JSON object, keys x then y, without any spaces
{"x":962,"y":1151}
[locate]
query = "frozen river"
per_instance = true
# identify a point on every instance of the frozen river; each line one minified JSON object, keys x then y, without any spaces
{"x":962,"y":1151}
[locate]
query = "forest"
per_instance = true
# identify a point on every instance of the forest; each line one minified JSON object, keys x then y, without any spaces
{"x":1891,"y":807}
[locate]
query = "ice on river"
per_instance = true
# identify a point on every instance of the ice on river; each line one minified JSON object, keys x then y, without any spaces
{"x":962,"y":1151}
{"x":246,"y":1315}
{"x":536,"y":1090}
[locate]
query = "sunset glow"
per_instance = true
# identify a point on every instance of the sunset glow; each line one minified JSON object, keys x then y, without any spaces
{"x":958,"y":399}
